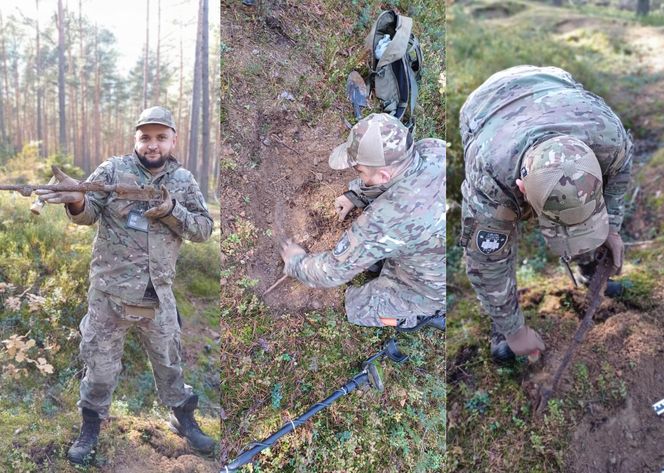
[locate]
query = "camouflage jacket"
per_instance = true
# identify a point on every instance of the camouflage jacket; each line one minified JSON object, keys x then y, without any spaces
{"x":512,"y":111}
{"x":404,"y":224}
{"x":125,"y":259}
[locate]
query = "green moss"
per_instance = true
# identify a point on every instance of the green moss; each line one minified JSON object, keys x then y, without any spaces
{"x":638,"y":289}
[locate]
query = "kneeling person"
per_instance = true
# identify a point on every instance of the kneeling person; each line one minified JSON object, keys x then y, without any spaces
{"x":401,"y":189}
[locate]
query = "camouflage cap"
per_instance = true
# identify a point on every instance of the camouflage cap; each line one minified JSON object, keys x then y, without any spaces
{"x":377,"y":140}
{"x":563,"y":183}
{"x":156,"y":115}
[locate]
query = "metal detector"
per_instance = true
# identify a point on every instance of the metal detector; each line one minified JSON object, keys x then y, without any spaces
{"x":369,"y":375}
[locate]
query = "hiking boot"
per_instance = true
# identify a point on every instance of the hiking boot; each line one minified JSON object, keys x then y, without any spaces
{"x":375,"y":269}
{"x":80,"y":452}
{"x":183,"y":423}
{"x":501,"y":353}
{"x":613,"y":289}
{"x":434,"y":321}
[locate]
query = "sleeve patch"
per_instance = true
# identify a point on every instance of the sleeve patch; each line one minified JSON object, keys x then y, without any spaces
{"x":342,"y":246}
{"x":490,"y":241}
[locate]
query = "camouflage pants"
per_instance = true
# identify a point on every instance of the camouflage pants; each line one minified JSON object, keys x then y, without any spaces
{"x":103,"y":332}
{"x":387,"y":298}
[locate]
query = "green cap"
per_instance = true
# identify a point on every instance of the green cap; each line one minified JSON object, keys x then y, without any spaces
{"x":377,"y":140}
{"x":563,"y":184}
{"x":156,"y":115}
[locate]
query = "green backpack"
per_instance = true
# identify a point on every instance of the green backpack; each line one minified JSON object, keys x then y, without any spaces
{"x":396,"y":64}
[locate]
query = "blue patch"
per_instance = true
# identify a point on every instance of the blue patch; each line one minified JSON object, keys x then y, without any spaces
{"x":342,"y":246}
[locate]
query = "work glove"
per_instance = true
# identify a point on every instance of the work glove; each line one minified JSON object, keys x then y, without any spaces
{"x":290,"y":249}
{"x":525,"y":341}
{"x":343,"y":206}
{"x":52,"y":197}
{"x":162,"y":209}
{"x":617,"y":248}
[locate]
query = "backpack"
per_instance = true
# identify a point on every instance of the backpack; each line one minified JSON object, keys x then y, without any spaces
{"x":395,"y":76}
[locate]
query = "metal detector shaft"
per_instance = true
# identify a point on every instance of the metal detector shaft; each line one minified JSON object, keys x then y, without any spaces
{"x":245,"y":457}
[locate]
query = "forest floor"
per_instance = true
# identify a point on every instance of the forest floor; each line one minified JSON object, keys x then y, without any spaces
{"x":283,"y":88}
{"x":601,"y":419}
{"x":43,"y":286}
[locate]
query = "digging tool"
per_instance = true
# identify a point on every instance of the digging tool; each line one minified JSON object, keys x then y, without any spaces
{"x":275,"y":285}
{"x":357,"y":93}
{"x":596,"y":288}
{"x":369,"y":375}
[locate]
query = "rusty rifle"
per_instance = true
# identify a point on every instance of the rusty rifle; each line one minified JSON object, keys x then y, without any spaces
{"x":126,"y":191}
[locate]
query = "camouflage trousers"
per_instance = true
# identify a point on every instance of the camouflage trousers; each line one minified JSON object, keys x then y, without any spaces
{"x":103,"y":332}
{"x":386,"y":297}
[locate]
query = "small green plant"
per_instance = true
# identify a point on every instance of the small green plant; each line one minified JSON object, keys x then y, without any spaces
{"x":479,"y":403}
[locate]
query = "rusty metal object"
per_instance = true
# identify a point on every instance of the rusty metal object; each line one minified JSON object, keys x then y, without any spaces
{"x":126,"y":191}
{"x":594,"y":296}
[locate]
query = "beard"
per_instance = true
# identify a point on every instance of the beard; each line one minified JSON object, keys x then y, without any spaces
{"x":152,"y":164}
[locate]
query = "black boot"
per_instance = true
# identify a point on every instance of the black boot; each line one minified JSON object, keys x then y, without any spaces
{"x":80,"y":451}
{"x":436,"y":321}
{"x":501,"y":352}
{"x":613,"y":289}
{"x":183,"y":423}
{"x":375,"y":269}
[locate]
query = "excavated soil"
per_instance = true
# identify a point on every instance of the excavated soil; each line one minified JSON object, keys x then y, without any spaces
{"x":133,"y":461}
{"x":622,"y":434}
{"x":618,"y":430}
{"x":280,"y":161}
{"x":151,"y":450}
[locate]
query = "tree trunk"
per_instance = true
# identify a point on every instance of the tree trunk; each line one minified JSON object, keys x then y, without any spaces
{"x":18,"y":127}
{"x":73,"y":101}
{"x":205,"y":105}
{"x":40,"y":133}
{"x":180,"y":99}
{"x":84,"y":150}
{"x":61,"y":78}
{"x":195,"y":99}
{"x":157,"y":84}
{"x":4,"y":90}
{"x":145,"y":58}
{"x":97,"y":105}
{"x":642,"y":7}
